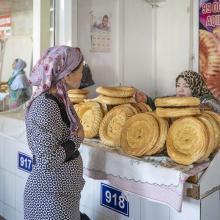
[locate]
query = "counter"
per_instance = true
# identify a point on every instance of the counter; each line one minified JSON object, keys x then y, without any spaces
{"x":154,"y":187}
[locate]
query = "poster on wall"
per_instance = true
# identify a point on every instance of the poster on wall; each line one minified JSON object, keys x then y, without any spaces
{"x":209,"y":44}
{"x":5,"y":26}
{"x":100,"y":31}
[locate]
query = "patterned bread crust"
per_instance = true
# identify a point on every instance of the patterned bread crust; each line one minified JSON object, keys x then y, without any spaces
{"x":187,"y":140}
{"x":113,"y":100}
{"x":176,"y":112}
{"x":90,"y":114}
{"x":163,"y":129}
{"x":120,"y":91}
{"x":139,"y":134}
{"x":112,"y":124}
{"x":78,"y":91}
{"x":216,"y":117}
{"x":177,"y":101}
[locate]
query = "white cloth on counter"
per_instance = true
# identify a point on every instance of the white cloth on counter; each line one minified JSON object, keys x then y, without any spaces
{"x":157,"y":178}
{"x":3,"y":95}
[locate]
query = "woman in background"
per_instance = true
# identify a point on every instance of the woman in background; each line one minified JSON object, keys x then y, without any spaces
{"x":19,"y":87}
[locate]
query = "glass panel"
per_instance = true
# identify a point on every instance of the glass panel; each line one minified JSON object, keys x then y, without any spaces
{"x":16,"y":28}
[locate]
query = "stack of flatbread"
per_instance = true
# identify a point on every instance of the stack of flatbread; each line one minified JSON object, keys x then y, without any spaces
{"x":144,"y":134}
{"x":141,"y":107}
{"x":91,"y":115}
{"x":3,"y":87}
{"x":77,"y":95}
{"x":194,"y":139}
{"x":115,"y":95}
{"x":171,"y":107}
{"x":112,"y":124}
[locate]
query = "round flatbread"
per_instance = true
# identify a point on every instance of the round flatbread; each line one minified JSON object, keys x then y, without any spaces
{"x":177,"y":112}
{"x":139,"y":134}
{"x":90,"y":114}
{"x":211,"y":146}
{"x":113,"y":100}
{"x":216,"y":117}
{"x":117,"y":91}
{"x":163,"y":129}
{"x":78,"y":91}
{"x":112,"y":124}
{"x":187,"y":140}
{"x":177,"y":101}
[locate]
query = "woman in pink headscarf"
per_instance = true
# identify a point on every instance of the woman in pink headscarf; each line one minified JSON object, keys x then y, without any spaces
{"x":54,"y":135}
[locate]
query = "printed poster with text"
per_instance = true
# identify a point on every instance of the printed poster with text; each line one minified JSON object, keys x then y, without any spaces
{"x":209,"y":44}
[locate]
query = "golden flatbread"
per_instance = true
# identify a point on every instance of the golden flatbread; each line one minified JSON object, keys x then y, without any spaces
{"x":78,"y":91}
{"x":113,"y":100}
{"x":139,"y":134}
{"x":177,"y":101}
{"x":163,"y":129}
{"x":187,"y":140}
{"x":117,"y":91}
{"x":177,"y":112}
{"x":90,"y":114}
{"x":112,"y":124}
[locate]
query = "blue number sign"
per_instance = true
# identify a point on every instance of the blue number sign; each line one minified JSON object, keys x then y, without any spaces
{"x":114,"y":199}
{"x":24,"y":162}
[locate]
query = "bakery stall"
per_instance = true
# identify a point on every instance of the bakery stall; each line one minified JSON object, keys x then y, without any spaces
{"x":118,"y":186}
{"x":145,"y":45}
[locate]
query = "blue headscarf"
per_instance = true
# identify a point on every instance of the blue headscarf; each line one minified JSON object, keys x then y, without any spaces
{"x":18,"y":82}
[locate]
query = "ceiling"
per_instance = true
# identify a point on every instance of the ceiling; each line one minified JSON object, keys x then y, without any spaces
{"x":8,"y":6}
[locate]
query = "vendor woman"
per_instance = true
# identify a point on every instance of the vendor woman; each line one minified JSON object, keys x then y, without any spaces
{"x":189,"y":83}
{"x":19,"y":88}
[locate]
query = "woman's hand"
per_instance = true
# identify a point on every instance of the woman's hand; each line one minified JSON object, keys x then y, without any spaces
{"x":140,"y":96}
{"x":205,"y":106}
{"x":80,"y":132}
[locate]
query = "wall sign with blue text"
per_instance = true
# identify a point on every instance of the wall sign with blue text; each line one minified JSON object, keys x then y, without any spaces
{"x":114,"y":199}
{"x":24,"y":162}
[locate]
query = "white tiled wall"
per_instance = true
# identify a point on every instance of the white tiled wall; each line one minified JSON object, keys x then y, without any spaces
{"x":19,"y":194}
{"x":2,"y":186}
{"x":12,"y":180}
{"x":153,"y":211}
{"x":9,"y":213}
{"x":210,"y":207}
{"x":9,"y":189}
{"x":1,"y":153}
{"x":1,"y":208}
{"x":9,"y":152}
{"x":139,"y":208}
{"x":190,"y":210}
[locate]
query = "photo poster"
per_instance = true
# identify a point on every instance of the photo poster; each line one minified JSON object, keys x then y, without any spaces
{"x":209,"y":44}
{"x":100,"y":31}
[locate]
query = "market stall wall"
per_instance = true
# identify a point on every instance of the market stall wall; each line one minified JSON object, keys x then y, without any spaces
{"x":22,"y":23}
{"x":150,"y":44}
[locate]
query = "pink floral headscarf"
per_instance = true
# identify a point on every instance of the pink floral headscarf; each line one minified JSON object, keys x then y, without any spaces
{"x":55,"y":64}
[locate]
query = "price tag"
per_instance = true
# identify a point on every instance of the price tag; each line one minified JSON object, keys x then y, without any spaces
{"x":114,"y":199}
{"x":24,"y":162}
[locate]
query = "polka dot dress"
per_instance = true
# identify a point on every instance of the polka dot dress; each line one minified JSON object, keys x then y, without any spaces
{"x":52,"y":191}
